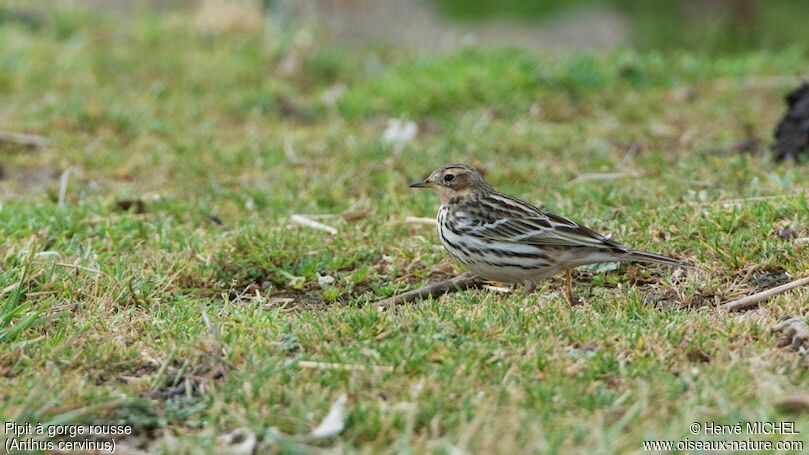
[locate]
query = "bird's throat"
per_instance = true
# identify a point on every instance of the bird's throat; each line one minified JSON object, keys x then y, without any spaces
{"x":451,"y":196}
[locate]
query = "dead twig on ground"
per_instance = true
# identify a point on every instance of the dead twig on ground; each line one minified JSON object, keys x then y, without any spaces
{"x":755,"y":299}
{"x":434,"y":290}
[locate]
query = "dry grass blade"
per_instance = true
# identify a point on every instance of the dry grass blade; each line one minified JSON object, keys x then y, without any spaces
{"x":755,"y":299}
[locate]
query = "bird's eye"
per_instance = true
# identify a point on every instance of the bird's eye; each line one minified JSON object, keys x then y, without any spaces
{"x":448,"y":177}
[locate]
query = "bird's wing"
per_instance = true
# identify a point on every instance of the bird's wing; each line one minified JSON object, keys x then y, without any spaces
{"x":547,"y":230}
{"x":506,"y":219}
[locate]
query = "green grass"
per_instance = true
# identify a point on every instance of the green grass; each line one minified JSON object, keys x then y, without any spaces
{"x":109,"y":323}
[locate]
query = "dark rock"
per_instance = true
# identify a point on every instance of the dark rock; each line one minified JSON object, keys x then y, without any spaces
{"x":792,"y":132}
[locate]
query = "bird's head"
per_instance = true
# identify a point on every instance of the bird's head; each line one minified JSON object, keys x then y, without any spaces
{"x":453,"y":181}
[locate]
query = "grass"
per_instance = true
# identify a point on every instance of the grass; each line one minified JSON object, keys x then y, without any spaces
{"x":108,"y":323}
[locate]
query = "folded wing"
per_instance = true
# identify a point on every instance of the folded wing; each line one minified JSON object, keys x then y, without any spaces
{"x":511,"y":220}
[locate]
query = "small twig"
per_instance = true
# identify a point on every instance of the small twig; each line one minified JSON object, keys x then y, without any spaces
{"x":26,"y":140}
{"x":434,"y":290}
{"x":303,"y":221}
{"x":600,"y":177}
{"x":419,"y":220}
{"x":755,"y":299}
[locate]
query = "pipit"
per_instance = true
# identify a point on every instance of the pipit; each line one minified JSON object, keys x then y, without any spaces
{"x":504,"y":239}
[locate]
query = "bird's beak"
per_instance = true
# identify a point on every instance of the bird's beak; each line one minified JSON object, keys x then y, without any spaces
{"x":420,"y":184}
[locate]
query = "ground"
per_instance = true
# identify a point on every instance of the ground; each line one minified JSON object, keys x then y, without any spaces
{"x":167,"y":288}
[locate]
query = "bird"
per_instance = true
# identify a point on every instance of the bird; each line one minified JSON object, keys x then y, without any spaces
{"x":504,"y":239}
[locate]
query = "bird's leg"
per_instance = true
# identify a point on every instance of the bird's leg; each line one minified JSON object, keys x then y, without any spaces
{"x":569,"y":287}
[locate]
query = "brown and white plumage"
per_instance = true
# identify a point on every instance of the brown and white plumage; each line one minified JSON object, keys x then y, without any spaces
{"x":501,"y":238}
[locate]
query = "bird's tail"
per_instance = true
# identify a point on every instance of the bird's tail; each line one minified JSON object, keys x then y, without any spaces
{"x":642,"y":256}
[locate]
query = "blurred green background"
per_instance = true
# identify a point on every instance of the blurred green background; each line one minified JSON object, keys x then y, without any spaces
{"x":714,"y":26}
{"x":710,"y":25}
